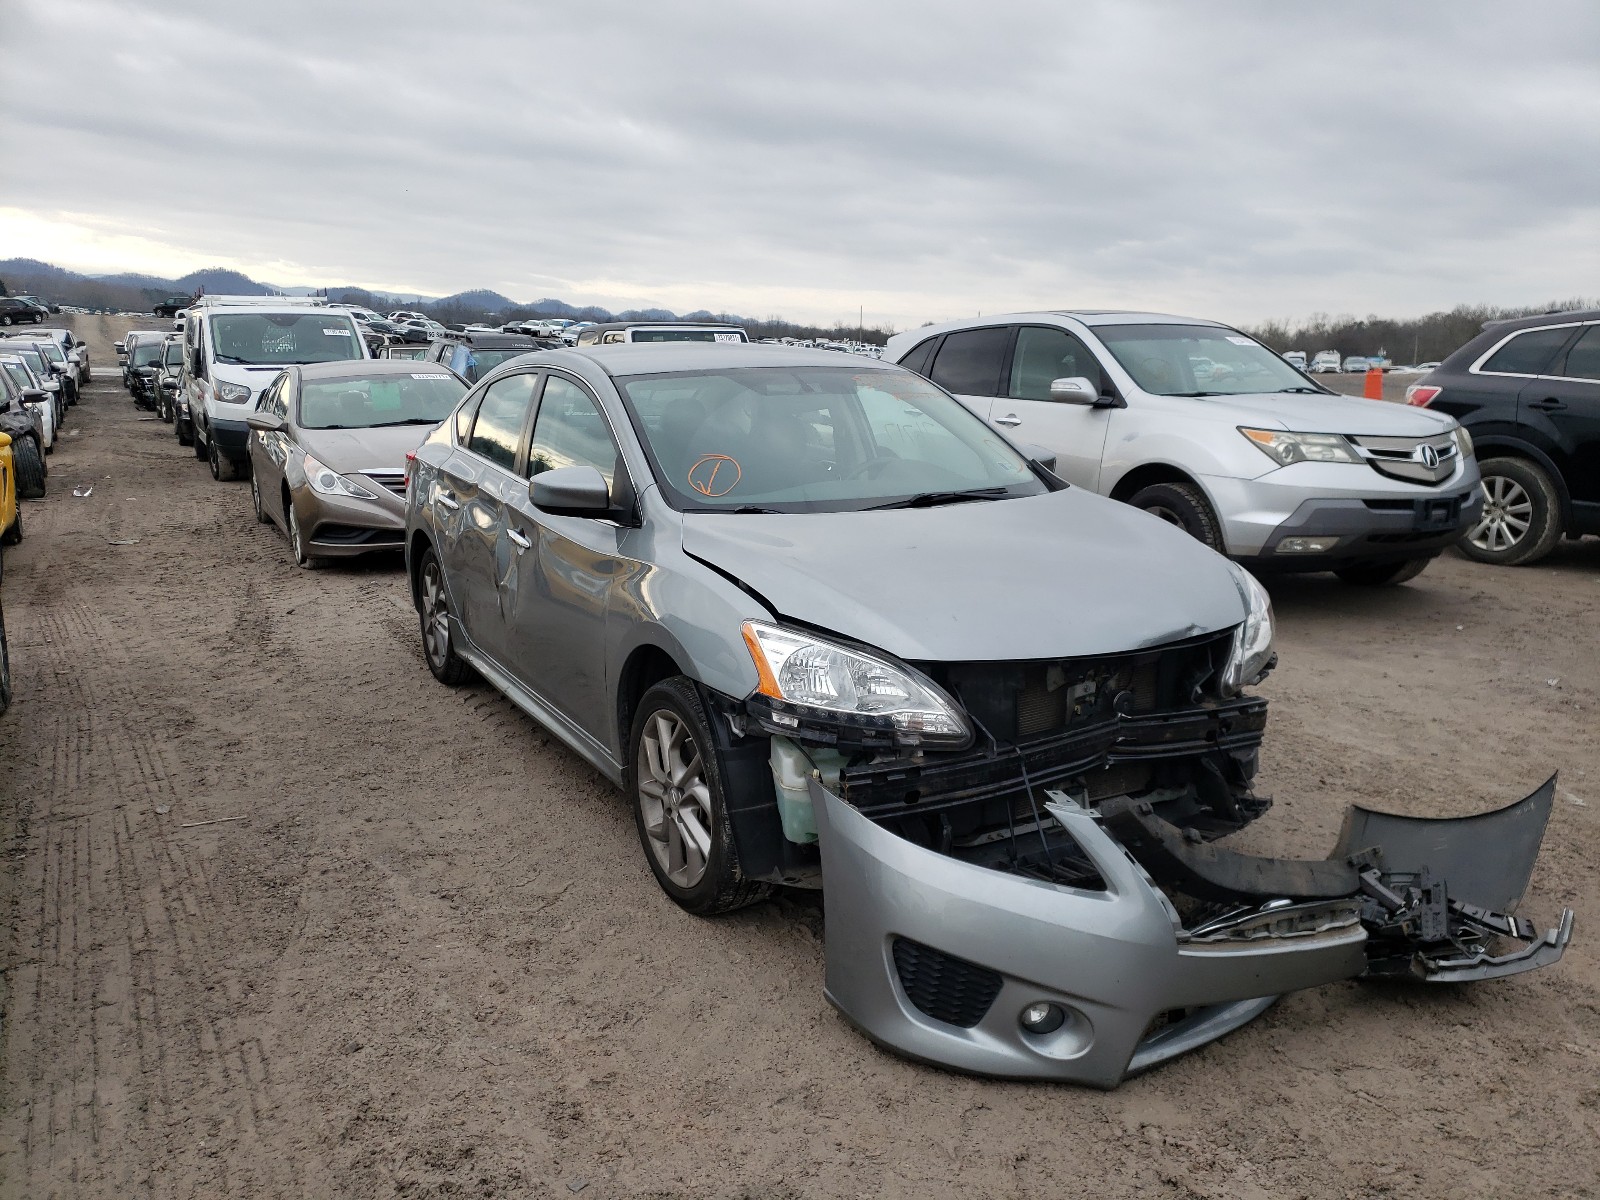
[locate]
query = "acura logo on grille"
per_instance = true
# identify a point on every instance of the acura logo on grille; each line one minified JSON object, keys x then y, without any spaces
{"x":1428,"y":456}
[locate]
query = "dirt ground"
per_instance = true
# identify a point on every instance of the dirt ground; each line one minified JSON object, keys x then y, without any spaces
{"x":430,"y":959}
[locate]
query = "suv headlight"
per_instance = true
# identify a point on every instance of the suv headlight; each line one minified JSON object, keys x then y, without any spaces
{"x":233,"y":393}
{"x":1252,"y":654}
{"x":820,"y":678}
{"x":1285,"y":449}
{"x":1463,"y":441}
{"x":329,"y":482}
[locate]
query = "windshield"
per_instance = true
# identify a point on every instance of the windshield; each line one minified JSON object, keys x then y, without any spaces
{"x":356,"y":402}
{"x":815,"y":439}
{"x":1199,"y":360}
{"x":19,"y":375}
{"x":174,"y":355}
{"x":146,"y":353}
{"x":30,"y":356}
{"x":274,"y":338}
{"x":52,"y":352}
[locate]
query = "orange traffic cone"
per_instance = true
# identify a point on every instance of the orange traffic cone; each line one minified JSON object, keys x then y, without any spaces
{"x":1373,"y":389}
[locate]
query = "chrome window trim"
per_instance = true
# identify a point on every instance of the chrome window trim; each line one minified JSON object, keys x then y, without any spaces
{"x":1477,"y":367}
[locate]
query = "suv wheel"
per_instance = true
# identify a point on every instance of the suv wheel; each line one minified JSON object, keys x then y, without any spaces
{"x":433,"y":607}
{"x":675,"y":774}
{"x":1383,"y":574}
{"x":1521,"y":520}
{"x":1183,"y":505}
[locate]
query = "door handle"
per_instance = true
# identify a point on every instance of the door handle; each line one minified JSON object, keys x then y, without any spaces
{"x":1548,"y":404}
{"x":1008,"y":419}
{"x":448,"y":500}
{"x":518,"y":538}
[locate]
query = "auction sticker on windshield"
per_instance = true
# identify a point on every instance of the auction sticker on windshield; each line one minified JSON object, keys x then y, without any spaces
{"x":728,"y":337}
{"x":415,"y":375}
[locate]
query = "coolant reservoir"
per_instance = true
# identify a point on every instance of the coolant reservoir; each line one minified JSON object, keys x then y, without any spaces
{"x":791,"y":768}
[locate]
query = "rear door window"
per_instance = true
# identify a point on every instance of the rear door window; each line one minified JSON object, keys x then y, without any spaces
{"x":920,"y":358}
{"x":970,"y":362}
{"x":1529,"y":353}
{"x":501,"y":415}
{"x":1583,"y":360}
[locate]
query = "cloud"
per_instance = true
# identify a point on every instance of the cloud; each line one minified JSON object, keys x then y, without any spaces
{"x":1238,"y":159}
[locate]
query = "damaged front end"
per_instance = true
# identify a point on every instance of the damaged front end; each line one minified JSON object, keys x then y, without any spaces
{"x":1050,"y":902}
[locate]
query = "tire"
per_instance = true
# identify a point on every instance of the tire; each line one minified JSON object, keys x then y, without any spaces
{"x":1521,"y":520}
{"x":1383,"y":574}
{"x":685,"y":831}
{"x":5,"y":665}
{"x":297,"y":543}
{"x":177,"y":428}
{"x":255,"y":500}
{"x":5,"y":320}
{"x":223,"y":468}
{"x":1183,"y":505}
{"x":69,"y":388}
{"x":13,"y":535}
{"x":30,"y":469}
{"x":433,"y":612}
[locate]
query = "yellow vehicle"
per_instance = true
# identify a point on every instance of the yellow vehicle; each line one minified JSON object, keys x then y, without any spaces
{"x":10,"y":534}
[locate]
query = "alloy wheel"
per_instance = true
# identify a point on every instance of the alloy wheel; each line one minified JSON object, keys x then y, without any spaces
{"x":297,"y":544}
{"x":1507,"y":514}
{"x":674,"y":798}
{"x":435,"y":616}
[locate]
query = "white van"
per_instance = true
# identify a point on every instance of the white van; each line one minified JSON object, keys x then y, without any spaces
{"x":234,"y":346}
{"x":1325,"y":363}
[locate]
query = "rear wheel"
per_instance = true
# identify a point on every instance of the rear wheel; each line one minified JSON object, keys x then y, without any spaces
{"x":1383,"y":574}
{"x":675,"y":774}
{"x":1183,"y":505}
{"x":30,"y":468}
{"x":433,"y":608}
{"x":1521,"y":520}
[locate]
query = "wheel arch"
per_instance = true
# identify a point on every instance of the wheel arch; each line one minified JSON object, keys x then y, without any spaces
{"x":1496,"y":445}
{"x":1147,"y":474}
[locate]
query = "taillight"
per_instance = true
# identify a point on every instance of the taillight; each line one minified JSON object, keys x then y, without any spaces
{"x":411,"y":467}
{"x":1421,"y":394}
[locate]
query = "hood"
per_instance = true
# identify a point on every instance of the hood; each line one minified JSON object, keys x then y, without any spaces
{"x":351,"y":450}
{"x":1054,"y":576}
{"x":1331,"y":414}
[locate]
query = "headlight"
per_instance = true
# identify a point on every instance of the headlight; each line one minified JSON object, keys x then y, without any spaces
{"x":1286,"y":449}
{"x":824,"y":678}
{"x":233,"y":393}
{"x":1252,"y":656}
{"x":329,"y":482}
{"x":1463,"y":441}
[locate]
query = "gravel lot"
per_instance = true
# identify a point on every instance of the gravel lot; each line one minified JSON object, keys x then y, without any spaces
{"x":431,"y":959}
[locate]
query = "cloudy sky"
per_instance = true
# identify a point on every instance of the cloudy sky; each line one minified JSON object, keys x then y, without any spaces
{"x":1239,"y":159}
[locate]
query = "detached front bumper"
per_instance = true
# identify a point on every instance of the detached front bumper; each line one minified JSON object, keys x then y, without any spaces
{"x":937,"y":958}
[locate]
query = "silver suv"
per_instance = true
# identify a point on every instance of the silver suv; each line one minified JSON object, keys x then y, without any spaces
{"x":1207,"y":428}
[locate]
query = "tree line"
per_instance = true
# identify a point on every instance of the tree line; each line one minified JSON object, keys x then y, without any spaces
{"x":1405,"y":340}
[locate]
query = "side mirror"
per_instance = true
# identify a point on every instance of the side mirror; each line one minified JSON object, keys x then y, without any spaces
{"x":197,"y":365}
{"x":121,"y":349}
{"x":1039,"y":456}
{"x":570,"y":492}
{"x":169,"y":384}
{"x":34,"y":395}
{"x":1076,"y":390}
{"x":265,"y":422}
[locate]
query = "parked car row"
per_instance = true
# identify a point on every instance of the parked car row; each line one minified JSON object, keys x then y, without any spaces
{"x":41,"y":373}
{"x":805,"y":609}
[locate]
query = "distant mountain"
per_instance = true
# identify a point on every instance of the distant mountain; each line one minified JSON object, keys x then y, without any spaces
{"x":219,"y":281}
{"x":481,"y":299}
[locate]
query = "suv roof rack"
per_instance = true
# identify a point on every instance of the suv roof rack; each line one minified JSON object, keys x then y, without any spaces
{"x":261,"y":301}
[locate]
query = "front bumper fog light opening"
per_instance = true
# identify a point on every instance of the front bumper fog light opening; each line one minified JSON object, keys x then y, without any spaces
{"x":1042,"y":1018}
{"x":1306,"y":545}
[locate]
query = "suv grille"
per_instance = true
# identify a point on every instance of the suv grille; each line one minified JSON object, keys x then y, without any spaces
{"x":945,"y":987}
{"x":1407,"y":458}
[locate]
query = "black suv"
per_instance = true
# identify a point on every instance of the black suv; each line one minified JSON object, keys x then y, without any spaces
{"x":1528,"y":391}
{"x":14,"y":310}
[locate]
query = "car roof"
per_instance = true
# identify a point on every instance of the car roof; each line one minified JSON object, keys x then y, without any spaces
{"x":1091,"y":317}
{"x":347,"y":367}
{"x":1554,"y":317}
{"x":609,"y":325}
{"x":493,"y":341}
{"x":648,"y":358}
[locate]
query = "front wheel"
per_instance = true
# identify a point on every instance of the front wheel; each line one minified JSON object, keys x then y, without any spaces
{"x":433,"y":608}
{"x":1383,"y":574}
{"x":676,"y":777}
{"x":255,"y":499}
{"x":30,"y":468}
{"x":1183,"y":505}
{"x":223,"y":468}
{"x":1521,"y":520}
{"x":297,"y":542}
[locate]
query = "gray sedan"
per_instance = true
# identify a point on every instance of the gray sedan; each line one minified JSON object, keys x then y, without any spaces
{"x":328,"y":445}
{"x":828,"y":628}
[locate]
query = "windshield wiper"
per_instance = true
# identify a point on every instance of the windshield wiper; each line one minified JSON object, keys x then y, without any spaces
{"x":1304,"y":391}
{"x":930,"y":499}
{"x":407,"y":421}
{"x":745,"y":508}
{"x":234,"y":358}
